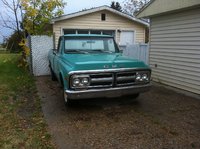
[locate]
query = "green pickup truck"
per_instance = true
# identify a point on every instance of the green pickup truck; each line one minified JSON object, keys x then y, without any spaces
{"x":91,"y":66}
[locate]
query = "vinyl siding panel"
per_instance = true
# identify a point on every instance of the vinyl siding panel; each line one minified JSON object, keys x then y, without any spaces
{"x":175,"y":49}
{"x":93,"y":21}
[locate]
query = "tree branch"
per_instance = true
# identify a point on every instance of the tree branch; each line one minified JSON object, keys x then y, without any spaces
{"x":5,"y":2}
{"x":12,"y":6}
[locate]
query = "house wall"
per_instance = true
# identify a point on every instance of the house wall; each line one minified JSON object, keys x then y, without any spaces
{"x":93,"y":21}
{"x":175,"y":50}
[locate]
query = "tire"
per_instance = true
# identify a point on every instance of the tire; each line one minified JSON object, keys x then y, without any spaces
{"x":53,"y":76}
{"x":67,"y":101}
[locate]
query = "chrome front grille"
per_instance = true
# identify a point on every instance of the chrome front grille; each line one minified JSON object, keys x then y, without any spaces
{"x":115,"y":79}
{"x":125,"y":78}
{"x":101,"y":80}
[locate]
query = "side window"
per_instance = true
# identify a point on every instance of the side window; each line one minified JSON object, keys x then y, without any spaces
{"x":111,"y":45}
{"x":60,"y":44}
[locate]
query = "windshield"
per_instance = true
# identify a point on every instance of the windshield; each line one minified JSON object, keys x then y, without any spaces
{"x":89,"y":45}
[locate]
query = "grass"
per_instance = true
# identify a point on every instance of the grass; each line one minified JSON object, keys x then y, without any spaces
{"x":2,"y":51}
{"x":21,"y":120}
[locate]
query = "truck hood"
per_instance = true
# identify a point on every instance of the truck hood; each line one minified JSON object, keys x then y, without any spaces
{"x":101,"y":61}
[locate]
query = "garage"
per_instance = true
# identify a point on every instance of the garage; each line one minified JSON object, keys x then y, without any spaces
{"x":126,"y":30}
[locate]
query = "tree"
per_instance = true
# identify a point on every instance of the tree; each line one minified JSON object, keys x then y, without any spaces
{"x":10,"y":18}
{"x":116,"y":6}
{"x":39,"y":13}
{"x":36,"y":20}
{"x":12,"y":43}
{"x":131,"y":7}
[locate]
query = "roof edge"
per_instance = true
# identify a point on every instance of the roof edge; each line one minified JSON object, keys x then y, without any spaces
{"x":147,"y":12}
{"x":144,"y":7}
{"x":81,"y":13}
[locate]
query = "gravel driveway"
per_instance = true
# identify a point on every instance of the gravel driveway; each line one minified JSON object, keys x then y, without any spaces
{"x":160,"y":119}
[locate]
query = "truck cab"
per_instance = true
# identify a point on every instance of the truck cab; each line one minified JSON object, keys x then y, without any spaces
{"x":91,"y":66}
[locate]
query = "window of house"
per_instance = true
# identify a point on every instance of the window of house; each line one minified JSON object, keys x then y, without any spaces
{"x":83,"y":31}
{"x":103,"y":17}
{"x":95,"y":32}
{"x":108,"y":32}
{"x":69,"y":31}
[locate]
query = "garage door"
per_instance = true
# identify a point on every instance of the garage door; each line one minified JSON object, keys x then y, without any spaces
{"x":83,"y":31}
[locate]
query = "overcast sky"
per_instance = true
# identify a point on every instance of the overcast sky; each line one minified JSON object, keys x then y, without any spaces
{"x":76,"y":5}
{"x":72,"y":6}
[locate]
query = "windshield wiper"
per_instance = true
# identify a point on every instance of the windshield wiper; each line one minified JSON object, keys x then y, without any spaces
{"x":100,"y":50}
{"x":76,"y":51}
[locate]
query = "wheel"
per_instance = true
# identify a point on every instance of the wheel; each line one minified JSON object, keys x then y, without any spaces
{"x":67,"y":101}
{"x":53,"y":76}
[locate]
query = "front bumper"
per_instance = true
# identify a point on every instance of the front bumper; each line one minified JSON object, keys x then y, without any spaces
{"x":108,"y":92}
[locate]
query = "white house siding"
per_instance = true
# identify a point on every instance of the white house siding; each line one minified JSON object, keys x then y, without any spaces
{"x":175,"y":49}
{"x":93,"y":21}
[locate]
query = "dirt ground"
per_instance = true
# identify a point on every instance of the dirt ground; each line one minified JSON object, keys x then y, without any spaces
{"x":159,"y":119}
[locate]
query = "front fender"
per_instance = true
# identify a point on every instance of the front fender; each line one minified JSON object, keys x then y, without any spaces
{"x":64,"y":74}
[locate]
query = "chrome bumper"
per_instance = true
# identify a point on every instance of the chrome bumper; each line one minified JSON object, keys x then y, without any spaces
{"x":108,"y":92}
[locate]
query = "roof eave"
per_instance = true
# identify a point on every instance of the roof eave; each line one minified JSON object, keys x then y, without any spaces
{"x":138,"y":14}
{"x":143,"y":12}
{"x":98,"y":9}
{"x":166,"y":12}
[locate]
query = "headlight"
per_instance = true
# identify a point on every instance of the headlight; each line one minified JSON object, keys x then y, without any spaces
{"x":80,"y":81}
{"x":85,"y":81}
{"x":138,"y":77}
{"x":76,"y":82}
{"x":143,"y":76}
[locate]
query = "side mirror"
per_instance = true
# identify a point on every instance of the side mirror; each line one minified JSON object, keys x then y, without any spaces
{"x":54,"y":51}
